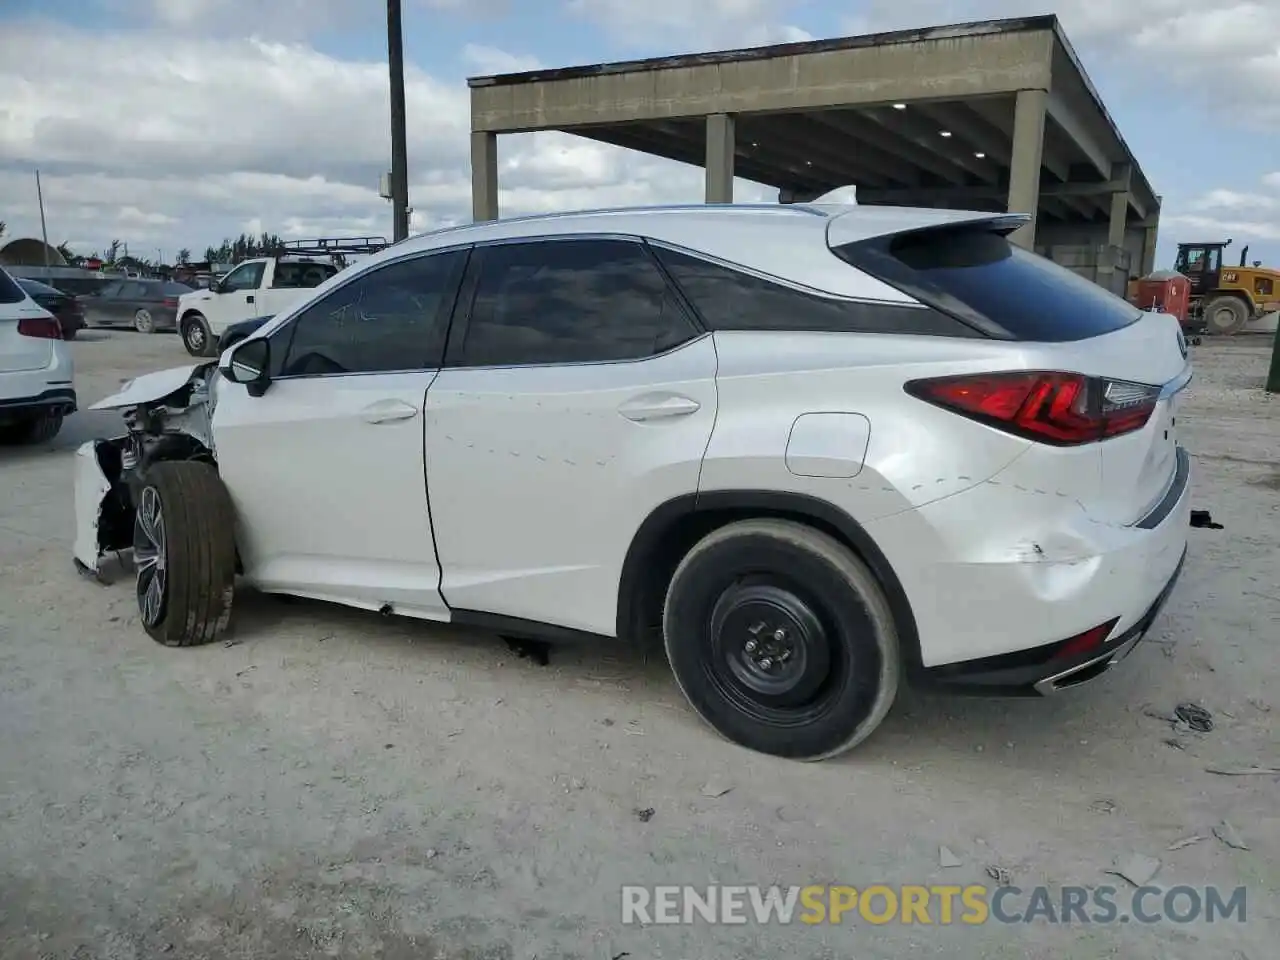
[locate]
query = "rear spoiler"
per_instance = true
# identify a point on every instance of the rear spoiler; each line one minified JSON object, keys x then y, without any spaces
{"x":866,"y":223}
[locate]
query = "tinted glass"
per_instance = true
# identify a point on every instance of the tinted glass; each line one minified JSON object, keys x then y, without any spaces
{"x":172,"y":289}
{"x":137,"y":291}
{"x":111,"y":289}
{"x":981,"y":275}
{"x":304,"y":275}
{"x":571,"y":301}
{"x":728,"y":299}
{"x":10,"y":292}
{"x":391,"y":319}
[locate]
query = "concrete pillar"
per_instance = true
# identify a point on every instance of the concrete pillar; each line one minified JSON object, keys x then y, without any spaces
{"x":719,"y":159}
{"x":1150,"y":239}
{"x":484,"y":176}
{"x":1024,"y":166}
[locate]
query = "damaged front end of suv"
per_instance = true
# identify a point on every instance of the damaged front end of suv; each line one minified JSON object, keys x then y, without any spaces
{"x":167,"y":416}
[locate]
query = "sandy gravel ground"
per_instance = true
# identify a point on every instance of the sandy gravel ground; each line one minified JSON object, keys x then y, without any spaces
{"x":337,"y":784}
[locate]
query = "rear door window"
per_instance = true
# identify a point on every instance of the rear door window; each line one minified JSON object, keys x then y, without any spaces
{"x":980,"y":277}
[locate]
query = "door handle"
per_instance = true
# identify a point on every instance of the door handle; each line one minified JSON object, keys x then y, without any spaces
{"x":660,"y":407}
{"x":389,"y":411}
{"x":248,"y":298}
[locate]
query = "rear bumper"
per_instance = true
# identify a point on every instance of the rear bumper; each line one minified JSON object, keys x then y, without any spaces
{"x":54,"y":400}
{"x":995,"y":602}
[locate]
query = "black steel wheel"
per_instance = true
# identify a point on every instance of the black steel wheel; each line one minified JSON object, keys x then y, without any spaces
{"x":196,"y":336}
{"x":782,"y":639}
{"x":184,"y":553}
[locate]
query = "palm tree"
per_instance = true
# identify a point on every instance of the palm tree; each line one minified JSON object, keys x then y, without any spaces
{"x":184,"y":255}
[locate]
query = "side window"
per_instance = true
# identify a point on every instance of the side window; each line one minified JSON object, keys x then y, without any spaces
{"x":728,"y":299}
{"x":393,"y":318}
{"x":1215,"y":259}
{"x":134,"y":291}
{"x":247,"y":276}
{"x":304,"y":275}
{"x":571,"y":301}
{"x":1195,"y":260}
{"x":111,"y":289}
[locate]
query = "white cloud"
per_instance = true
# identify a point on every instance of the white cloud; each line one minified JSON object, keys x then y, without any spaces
{"x":693,"y":25}
{"x":188,"y":137}
{"x":487,"y":61}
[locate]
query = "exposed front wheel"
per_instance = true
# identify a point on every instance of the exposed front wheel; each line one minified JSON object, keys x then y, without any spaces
{"x":143,"y":322}
{"x":782,"y":639}
{"x":196,"y":336}
{"x":184,"y":553}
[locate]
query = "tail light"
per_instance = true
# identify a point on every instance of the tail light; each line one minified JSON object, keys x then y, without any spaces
{"x":1062,"y":409}
{"x":171,"y":302}
{"x":46,"y":328}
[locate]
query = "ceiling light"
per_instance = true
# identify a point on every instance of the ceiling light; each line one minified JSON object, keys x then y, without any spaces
{"x":899,"y":106}
{"x":944,"y":133}
{"x":808,"y":163}
{"x":754,"y":144}
{"x":980,"y":155}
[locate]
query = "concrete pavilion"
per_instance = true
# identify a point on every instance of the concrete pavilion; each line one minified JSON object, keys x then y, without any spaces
{"x":993,"y":115}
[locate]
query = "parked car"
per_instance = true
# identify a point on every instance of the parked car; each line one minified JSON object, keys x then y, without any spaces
{"x":36,"y":372}
{"x":816,"y":449}
{"x":266,"y":285}
{"x":238,"y":331}
{"x":64,"y":306}
{"x":146,"y":305}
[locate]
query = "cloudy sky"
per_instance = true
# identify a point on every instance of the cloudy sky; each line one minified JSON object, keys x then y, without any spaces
{"x":174,"y":123}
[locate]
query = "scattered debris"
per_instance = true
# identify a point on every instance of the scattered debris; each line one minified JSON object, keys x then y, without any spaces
{"x":241,"y":673}
{"x":1137,"y":869}
{"x":1254,"y":771}
{"x":539,"y":651}
{"x":387,"y":746}
{"x":632,"y":730}
{"x":432,"y":853}
{"x":947,"y":859}
{"x":1000,"y":875}
{"x":1201,"y":518}
{"x":607,"y":722}
{"x":1186,"y":841}
{"x":1103,"y":805}
{"x":619,"y":956}
{"x":452,"y":733}
{"x":1228,"y":835}
{"x":645,"y":815}
{"x":789,"y":814}
{"x":1259,"y":705}
{"x":714,"y":788}
{"x":1194,"y":716}
{"x":1175,"y":743}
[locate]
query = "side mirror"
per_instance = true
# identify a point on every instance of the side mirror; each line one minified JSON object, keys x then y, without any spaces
{"x":215,"y":285}
{"x":249,"y":362}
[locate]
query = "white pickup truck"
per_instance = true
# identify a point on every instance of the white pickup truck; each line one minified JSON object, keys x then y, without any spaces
{"x":254,"y":288}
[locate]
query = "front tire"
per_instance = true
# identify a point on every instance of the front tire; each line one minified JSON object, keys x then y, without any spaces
{"x":1225,"y":315}
{"x":196,"y":336}
{"x":184,"y":553}
{"x":782,"y":639}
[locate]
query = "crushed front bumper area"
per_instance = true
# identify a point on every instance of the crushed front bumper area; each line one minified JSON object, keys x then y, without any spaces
{"x":103,"y":505}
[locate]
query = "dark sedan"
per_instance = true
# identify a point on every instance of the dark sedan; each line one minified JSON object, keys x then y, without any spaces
{"x":62,"y":305}
{"x":145,"y":305}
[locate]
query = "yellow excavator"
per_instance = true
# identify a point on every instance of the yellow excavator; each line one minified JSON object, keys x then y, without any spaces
{"x":1225,"y":298}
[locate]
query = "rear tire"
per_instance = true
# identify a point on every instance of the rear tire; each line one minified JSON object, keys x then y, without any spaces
{"x":184,"y":554}
{"x":40,"y":428}
{"x":782,"y":639}
{"x":1224,"y":316}
{"x":143,"y":322}
{"x":196,"y":336}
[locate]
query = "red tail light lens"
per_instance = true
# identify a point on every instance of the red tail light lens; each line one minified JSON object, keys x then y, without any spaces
{"x":171,"y":301}
{"x":1062,"y":409}
{"x":46,"y":328}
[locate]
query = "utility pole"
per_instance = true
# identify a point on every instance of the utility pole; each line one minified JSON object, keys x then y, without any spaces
{"x":44,"y":233}
{"x":399,"y":147}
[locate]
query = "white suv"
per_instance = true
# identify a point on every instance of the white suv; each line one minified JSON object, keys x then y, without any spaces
{"x":36,"y":373}
{"x":814,"y":448}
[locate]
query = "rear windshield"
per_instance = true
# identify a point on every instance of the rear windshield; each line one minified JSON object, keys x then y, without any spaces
{"x":36,"y":288}
{"x":175,"y":289}
{"x":980,"y":277}
{"x":10,"y":292}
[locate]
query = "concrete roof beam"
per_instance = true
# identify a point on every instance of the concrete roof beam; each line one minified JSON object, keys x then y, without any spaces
{"x":927,"y":134}
{"x":864,"y":129}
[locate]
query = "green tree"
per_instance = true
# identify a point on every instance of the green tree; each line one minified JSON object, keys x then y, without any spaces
{"x":184,"y":255}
